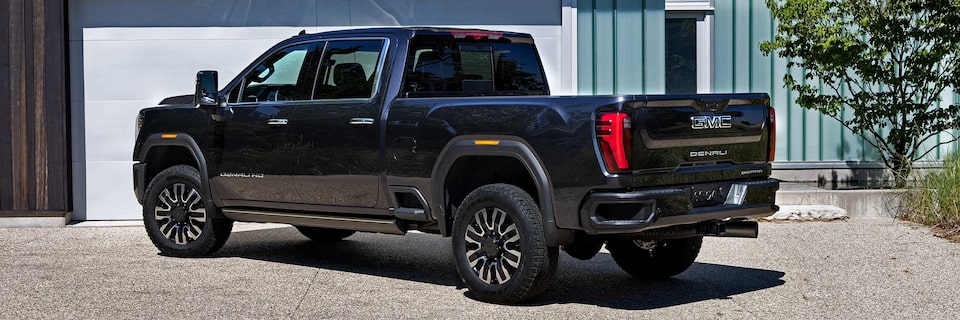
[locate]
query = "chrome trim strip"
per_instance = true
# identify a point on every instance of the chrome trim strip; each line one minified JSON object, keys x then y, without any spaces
{"x":650,"y":143}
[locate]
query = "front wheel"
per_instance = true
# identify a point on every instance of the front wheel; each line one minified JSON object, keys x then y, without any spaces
{"x":499,"y":246}
{"x":659,"y":259}
{"x":176,"y":219}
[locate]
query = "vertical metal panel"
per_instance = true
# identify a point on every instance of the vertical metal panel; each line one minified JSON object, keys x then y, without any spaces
{"x":723,"y":51}
{"x":620,"y":46}
{"x":604,"y":33}
{"x":585,"y":57}
{"x":759,"y":65}
{"x":629,"y":54}
{"x":742,"y":45}
{"x":654,"y":53}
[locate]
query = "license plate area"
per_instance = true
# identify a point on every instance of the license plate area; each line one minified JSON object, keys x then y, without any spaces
{"x":708,"y":195}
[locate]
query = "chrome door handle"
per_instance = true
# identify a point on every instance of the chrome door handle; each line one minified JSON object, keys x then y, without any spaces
{"x":361,"y":121}
{"x":276,"y":122}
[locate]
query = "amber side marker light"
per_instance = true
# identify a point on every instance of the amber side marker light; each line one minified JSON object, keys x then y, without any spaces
{"x":169,"y":135}
{"x":486,"y":142}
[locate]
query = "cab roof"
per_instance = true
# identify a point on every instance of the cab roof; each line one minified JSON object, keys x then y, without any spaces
{"x":410,"y":32}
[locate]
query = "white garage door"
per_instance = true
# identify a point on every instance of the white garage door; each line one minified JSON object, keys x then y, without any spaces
{"x":128,"y":54}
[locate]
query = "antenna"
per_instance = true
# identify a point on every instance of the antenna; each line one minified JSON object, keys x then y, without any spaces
{"x":302,"y":32}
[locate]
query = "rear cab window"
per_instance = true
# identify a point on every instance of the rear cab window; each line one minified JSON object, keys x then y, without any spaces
{"x":439,"y":66}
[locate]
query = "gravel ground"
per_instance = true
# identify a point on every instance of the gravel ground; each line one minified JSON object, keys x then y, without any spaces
{"x":857,"y":269}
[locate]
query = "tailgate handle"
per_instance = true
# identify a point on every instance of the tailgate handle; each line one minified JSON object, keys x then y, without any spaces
{"x":361,"y":121}
{"x":277,"y":122}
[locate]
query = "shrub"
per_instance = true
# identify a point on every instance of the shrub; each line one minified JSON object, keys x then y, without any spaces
{"x":936,"y":199}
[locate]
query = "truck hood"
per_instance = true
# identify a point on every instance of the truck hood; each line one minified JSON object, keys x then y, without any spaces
{"x":186,"y":99}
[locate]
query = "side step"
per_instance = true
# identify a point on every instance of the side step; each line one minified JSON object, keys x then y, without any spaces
{"x":315,"y":220}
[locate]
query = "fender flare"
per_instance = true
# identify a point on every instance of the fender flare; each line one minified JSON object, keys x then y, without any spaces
{"x":507,"y":146}
{"x":187,"y":142}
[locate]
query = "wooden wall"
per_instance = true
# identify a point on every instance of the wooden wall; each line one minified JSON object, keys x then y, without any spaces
{"x":34,"y":151}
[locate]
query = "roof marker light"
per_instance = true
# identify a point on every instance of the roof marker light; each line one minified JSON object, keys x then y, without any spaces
{"x":476,"y":35}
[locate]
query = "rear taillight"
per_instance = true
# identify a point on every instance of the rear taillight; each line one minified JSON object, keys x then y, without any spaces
{"x":613,"y":135}
{"x":773,"y":134}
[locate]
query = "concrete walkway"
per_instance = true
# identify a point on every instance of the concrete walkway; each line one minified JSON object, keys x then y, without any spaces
{"x":865,"y":203}
{"x":855,"y":269}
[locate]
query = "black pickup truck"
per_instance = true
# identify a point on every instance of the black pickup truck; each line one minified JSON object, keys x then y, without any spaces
{"x":453,"y":132}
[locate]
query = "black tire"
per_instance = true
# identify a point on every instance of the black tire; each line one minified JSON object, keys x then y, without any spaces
{"x":176,"y":219}
{"x":511,"y":261}
{"x":324,"y":234}
{"x":668,"y":257}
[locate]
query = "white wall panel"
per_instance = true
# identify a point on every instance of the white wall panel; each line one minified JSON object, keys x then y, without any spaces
{"x":128,"y":54}
{"x":116,"y":129}
{"x":109,"y":191}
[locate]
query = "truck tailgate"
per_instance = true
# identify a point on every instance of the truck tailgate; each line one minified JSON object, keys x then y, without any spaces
{"x":724,"y":134}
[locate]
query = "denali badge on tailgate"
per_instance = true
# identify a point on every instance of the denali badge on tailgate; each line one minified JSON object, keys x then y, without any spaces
{"x":710,"y":122}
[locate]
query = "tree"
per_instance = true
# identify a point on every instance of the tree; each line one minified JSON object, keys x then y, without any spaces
{"x":886,"y":60}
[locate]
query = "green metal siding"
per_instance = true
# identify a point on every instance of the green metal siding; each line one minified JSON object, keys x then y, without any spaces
{"x":620,"y":46}
{"x":620,"y":50}
{"x":739,"y":66}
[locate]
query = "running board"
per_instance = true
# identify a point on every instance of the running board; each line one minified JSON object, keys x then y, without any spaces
{"x":315,"y":220}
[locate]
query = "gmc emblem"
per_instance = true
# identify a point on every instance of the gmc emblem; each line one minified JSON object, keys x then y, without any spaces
{"x":711,"y":122}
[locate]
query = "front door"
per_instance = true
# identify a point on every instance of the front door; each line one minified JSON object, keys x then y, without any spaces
{"x":256,"y":156}
{"x":342,"y":127}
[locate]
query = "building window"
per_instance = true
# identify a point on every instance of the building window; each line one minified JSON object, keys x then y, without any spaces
{"x":688,"y":53}
{"x":681,"y":55}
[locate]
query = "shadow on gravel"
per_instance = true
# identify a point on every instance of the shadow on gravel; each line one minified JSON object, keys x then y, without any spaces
{"x":427,"y":259}
{"x":415,"y":257}
{"x":600,"y":282}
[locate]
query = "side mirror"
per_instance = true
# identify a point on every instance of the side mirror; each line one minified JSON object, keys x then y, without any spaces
{"x":206,"y":94}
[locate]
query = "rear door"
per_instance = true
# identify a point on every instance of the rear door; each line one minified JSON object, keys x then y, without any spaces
{"x":256,"y":155}
{"x":340,"y":129}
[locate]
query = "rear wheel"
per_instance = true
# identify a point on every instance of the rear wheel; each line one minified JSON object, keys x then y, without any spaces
{"x":176,"y":219}
{"x":324,"y":234}
{"x":499,"y":246}
{"x":658,"y":259}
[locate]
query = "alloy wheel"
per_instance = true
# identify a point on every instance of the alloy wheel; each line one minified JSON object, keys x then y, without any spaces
{"x":180,"y":214}
{"x":493,"y":246}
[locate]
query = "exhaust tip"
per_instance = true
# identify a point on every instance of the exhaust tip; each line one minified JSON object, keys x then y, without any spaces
{"x":738,"y":229}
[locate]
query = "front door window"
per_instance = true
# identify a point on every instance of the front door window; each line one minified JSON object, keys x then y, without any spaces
{"x":284,"y":76}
